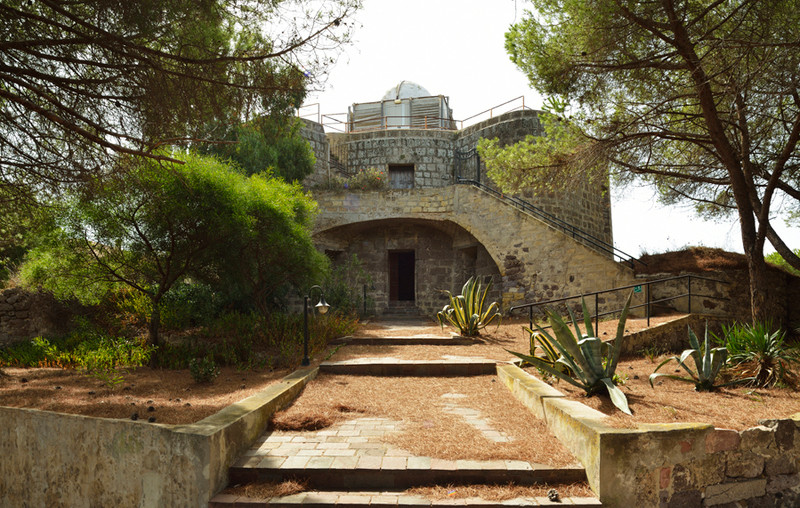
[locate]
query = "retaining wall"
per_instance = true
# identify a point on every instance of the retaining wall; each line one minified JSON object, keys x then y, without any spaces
{"x":55,"y":459}
{"x":731,"y":297}
{"x":670,"y":465}
{"x":25,"y":314}
{"x":672,"y":335}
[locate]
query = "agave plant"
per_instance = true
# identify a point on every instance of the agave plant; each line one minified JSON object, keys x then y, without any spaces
{"x":708,"y":363}
{"x":551,"y":354}
{"x":466,"y":311}
{"x":589,"y":362}
{"x":760,"y":354}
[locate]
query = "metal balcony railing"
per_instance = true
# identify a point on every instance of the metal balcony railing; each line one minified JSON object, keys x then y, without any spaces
{"x":339,"y":122}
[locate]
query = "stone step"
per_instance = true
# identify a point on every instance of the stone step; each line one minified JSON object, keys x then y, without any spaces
{"x":386,"y":499}
{"x":419,"y":340}
{"x":382,"y":473}
{"x":416,"y":368}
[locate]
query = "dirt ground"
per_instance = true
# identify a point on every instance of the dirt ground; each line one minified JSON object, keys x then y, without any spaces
{"x":671,"y":401}
{"x":428,"y":407}
{"x":267,"y":490}
{"x":165,"y":396}
{"x":176,"y":398}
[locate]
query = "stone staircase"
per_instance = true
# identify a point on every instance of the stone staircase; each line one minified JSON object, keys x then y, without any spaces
{"x":351,"y":464}
{"x":401,"y":310}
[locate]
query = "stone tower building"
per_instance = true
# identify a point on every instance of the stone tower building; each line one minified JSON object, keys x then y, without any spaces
{"x":441,"y":219}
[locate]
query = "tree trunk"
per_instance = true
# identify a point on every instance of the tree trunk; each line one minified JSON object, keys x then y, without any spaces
{"x":764,"y":303}
{"x":155,"y":322}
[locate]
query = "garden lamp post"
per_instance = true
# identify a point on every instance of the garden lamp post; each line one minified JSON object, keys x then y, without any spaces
{"x":322,"y":307}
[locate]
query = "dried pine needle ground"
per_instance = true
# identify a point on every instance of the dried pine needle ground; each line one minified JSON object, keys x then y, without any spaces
{"x":428,"y":429}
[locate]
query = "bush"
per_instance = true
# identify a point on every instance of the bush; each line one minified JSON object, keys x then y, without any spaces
{"x":250,"y":340}
{"x":364,"y":180}
{"x":344,"y":287}
{"x":89,"y":351}
{"x":757,"y":352}
{"x":203,"y":370}
{"x":368,"y":179}
{"x":100,"y":356}
{"x":187,"y":305}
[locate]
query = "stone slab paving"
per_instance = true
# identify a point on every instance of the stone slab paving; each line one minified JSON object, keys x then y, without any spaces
{"x":352,"y":464}
{"x":356,"y":455}
{"x":474,"y":418}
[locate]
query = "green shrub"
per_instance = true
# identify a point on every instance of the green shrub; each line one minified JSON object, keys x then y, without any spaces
{"x":757,"y":352}
{"x":591,"y":363}
{"x":367,"y":179}
{"x":344,"y":287}
{"x":251,"y":340}
{"x":466,"y":311}
{"x":364,"y":180}
{"x":100,"y":356}
{"x":187,"y":305}
{"x":203,"y":370}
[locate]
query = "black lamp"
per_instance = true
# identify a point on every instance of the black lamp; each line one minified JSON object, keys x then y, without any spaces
{"x":322,"y":308}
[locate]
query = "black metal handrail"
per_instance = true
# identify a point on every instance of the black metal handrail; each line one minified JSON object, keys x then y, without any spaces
{"x":648,"y":302}
{"x":555,"y":222}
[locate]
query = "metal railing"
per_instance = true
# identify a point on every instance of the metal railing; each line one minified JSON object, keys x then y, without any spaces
{"x":334,"y":121}
{"x":310,"y":112}
{"x":636,"y":288}
{"x":494,"y":111}
{"x":555,"y":222}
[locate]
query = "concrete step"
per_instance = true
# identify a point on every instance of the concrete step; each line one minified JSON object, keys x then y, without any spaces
{"x":382,"y":473}
{"x":386,"y":499}
{"x":419,"y":340}
{"x":417,"y":368}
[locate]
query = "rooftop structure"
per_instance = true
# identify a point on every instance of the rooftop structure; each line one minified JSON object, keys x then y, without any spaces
{"x":407,"y":105}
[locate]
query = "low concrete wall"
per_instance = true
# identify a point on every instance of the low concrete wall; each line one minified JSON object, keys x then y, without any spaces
{"x":54,"y":459}
{"x":670,"y":465}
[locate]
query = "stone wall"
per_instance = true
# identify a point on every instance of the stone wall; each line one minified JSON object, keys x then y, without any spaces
{"x":585,"y":206}
{"x":54,"y":459}
{"x":670,"y":465}
{"x":25,"y":314}
{"x":315,"y":135}
{"x":441,"y":261}
{"x":672,"y":336}
{"x":430,"y":151}
{"x":534,"y":261}
{"x":727,"y":293}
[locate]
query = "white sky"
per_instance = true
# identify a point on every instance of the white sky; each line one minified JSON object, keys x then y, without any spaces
{"x":456,"y":48}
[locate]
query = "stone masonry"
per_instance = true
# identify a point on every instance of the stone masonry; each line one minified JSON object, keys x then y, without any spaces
{"x":530,"y":260}
{"x":457,"y":231}
{"x":24,"y":315}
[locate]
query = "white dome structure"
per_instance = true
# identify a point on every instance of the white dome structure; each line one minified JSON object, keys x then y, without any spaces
{"x":407,"y":105}
{"x":406,"y":90}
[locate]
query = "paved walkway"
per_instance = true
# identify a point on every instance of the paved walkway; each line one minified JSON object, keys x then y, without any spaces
{"x":352,"y":464}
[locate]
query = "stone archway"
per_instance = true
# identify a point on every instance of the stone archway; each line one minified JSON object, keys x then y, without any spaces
{"x":412,"y":260}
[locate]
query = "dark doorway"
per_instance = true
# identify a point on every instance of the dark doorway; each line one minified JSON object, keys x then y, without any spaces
{"x":401,"y":176}
{"x":401,"y":275}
